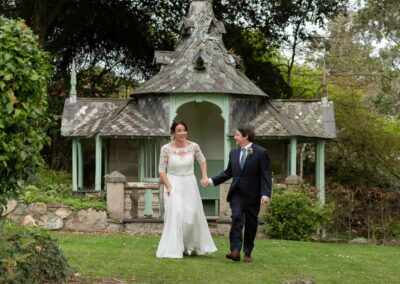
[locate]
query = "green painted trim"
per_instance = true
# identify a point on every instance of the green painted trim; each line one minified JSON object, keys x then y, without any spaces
{"x":80,"y":164}
{"x":148,"y":203}
{"x":320,"y":170}
{"x":98,"y":176}
{"x":220,"y":100}
{"x":143,"y":158}
{"x":106,"y":161}
{"x":74,"y":164}
{"x":288,"y":160}
{"x":293,"y":156}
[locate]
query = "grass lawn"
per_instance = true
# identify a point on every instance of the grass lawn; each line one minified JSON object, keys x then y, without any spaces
{"x":133,"y":257}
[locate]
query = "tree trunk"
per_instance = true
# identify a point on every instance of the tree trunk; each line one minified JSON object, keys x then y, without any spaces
{"x":301,"y":159}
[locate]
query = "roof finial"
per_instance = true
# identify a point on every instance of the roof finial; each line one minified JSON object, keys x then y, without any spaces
{"x":72,"y":92}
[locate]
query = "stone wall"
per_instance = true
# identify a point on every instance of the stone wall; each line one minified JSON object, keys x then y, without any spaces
{"x":55,"y":216}
{"x":125,"y":211}
{"x":59,"y":217}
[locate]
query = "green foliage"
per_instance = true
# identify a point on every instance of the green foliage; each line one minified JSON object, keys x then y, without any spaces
{"x":24,"y":70}
{"x":371,"y":213}
{"x":30,"y":254}
{"x":294,"y":214}
{"x":260,"y":61}
{"x":368,"y":145}
{"x":55,"y":187}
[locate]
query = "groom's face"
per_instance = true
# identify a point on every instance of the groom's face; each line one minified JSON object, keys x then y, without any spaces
{"x":240,"y":139}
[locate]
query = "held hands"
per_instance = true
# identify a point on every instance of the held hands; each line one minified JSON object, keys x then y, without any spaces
{"x":264,"y":199}
{"x":204,"y":181}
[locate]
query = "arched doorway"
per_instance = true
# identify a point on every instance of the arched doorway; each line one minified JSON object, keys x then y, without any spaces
{"x":206,"y":128}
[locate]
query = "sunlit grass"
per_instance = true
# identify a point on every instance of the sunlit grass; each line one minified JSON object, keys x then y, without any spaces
{"x":133,"y":257}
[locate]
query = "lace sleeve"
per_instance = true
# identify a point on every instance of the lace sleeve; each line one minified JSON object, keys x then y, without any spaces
{"x":198,"y":154}
{"x":162,"y":167}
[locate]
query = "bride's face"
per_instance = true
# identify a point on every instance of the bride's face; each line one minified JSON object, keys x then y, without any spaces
{"x":180,"y":133}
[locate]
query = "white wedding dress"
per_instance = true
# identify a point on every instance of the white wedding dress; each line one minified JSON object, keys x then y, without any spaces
{"x":185,"y":225}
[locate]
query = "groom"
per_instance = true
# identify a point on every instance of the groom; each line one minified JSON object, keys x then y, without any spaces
{"x":251,"y":186}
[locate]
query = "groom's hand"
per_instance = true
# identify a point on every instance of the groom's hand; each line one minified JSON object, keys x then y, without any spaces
{"x":264,"y":199}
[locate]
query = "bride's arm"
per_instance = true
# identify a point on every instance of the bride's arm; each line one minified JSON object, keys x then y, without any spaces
{"x":204,"y":177}
{"x":203,"y":165}
{"x":165,"y":181}
{"x":163,"y":167}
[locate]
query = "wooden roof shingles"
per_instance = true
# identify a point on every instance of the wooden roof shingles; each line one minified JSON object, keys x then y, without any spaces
{"x":221,"y":73}
{"x":106,"y":117}
{"x":130,"y":123}
{"x":290,"y":118}
{"x":86,"y":116}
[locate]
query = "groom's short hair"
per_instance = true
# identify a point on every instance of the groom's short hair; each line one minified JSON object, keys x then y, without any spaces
{"x":248,"y":131}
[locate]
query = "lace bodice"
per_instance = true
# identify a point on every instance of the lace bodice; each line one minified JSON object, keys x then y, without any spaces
{"x":179,"y":161}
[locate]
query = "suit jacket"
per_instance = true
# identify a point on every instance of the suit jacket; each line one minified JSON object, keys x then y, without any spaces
{"x":254,"y":180}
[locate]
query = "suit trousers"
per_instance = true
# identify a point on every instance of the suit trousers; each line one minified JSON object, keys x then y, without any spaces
{"x":243,"y":215}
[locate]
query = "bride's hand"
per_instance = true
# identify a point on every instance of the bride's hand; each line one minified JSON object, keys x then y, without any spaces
{"x":168,"y":189}
{"x":204,"y":181}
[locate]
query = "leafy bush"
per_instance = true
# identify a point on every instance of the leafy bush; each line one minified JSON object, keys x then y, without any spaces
{"x":369,"y":212}
{"x":24,"y":70}
{"x":55,"y":187}
{"x":30,"y":254}
{"x":294,"y":214}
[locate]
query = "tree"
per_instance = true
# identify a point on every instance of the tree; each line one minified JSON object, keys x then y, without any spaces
{"x":24,"y":70}
{"x":126,"y":32}
{"x":122,"y":35}
{"x":260,"y":62}
{"x":368,"y":148}
{"x":378,"y":21}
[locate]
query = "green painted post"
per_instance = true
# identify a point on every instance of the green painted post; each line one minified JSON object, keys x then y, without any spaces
{"x":293,"y":154}
{"x":148,"y":203}
{"x":97,"y":185}
{"x":75,"y":164}
{"x":288,"y":159}
{"x":320,"y":170}
{"x":105,"y":157}
{"x":80,"y":164}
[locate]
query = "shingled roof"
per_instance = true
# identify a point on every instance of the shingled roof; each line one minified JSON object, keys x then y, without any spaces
{"x":88,"y":117}
{"x":301,"y":118}
{"x":200,"y":63}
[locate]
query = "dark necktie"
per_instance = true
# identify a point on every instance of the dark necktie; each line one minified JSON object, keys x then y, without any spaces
{"x":242,"y":158}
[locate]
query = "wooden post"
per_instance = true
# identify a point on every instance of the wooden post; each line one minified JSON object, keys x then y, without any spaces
{"x":320,"y":170}
{"x":106,"y":162}
{"x":97,"y":186}
{"x":80,"y":164}
{"x":74,"y":164}
{"x":293,"y":156}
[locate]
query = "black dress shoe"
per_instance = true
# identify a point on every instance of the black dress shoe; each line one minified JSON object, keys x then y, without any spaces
{"x":234,"y":255}
{"x":247,"y":258}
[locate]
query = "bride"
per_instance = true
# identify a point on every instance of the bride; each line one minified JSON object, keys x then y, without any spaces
{"x":185,"y":225}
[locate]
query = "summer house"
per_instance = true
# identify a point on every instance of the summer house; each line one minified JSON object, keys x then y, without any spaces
{"x":203,"y":84}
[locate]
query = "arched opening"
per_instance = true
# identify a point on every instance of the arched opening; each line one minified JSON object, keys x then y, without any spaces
{"x":206,"y":128}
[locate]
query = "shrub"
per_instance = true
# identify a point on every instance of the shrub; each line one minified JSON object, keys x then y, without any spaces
{"x":30,"y":254}
{"x":55,"y":187}
{"x":294,"y":214}
{"x":24,"y":70}
{"x":373,"y":213}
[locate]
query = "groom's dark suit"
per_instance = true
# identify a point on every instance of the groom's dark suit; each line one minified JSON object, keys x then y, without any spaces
{"x":244,"y":196}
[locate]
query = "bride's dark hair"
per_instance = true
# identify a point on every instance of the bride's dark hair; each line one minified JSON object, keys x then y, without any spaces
{"x":176,"y":123}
